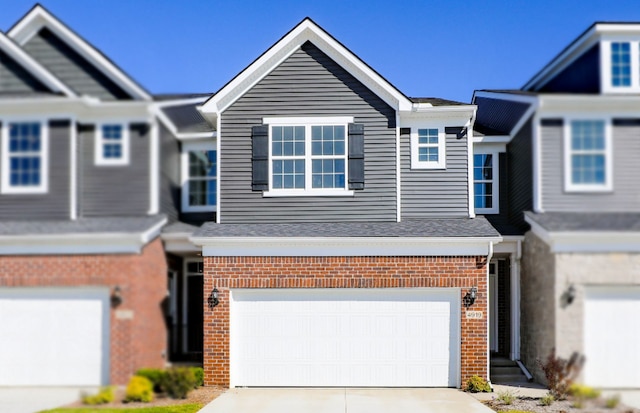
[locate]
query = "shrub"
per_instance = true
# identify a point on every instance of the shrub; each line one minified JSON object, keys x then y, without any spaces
{"x":506,"y":397}
{"x":612,"y":402}
{"x":560,"y":373}
{"x":155,"y":376}
{"x":178,"y":382}
{"x":104,"y":396}
{"x":581,"y":391}
{"x":139,"y":389}
{"x":477,"y":384}
{"x":547,"y":400}
{"x":198,"y":372}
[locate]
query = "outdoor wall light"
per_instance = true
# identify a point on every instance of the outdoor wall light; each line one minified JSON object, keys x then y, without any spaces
{"x":116,"y":296}
{"x":213,"y":298}
{"x":568,"y":296}
{"x":470,"y":297}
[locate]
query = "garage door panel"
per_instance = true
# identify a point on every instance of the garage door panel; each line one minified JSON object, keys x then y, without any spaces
{"x":344,"y":337}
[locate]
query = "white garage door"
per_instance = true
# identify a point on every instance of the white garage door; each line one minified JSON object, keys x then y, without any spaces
{"x":345,"y":337}
{"x":612,"y":337}
{"x":54,"y":336}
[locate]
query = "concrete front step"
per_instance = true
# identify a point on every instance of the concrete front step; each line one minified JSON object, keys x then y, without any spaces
{"x":508,"y":378}
{"x":500,"y":362}
{"x":503,"y":370}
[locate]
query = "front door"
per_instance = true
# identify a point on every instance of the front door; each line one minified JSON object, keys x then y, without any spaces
{"x":493,"y":309}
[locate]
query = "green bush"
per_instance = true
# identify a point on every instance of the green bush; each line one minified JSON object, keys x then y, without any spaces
{"x":583,"y":392}
{"x":198,"y":372}
{"x":506,"y":397}
{"x":477,"y":384}
{"x":155,"y":376}
{"x":139,"y":389}
{"x":104,"y":396}
{"x":547,"y":400}
{"x":178,"y":382}
{"x":612,"y":402}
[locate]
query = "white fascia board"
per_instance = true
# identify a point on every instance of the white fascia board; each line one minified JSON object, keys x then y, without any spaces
{"x":34,"y":68}
{"x":493,"y":139}
{"x":178,"y":242}
{"x":291,"y":42}
{"x":180,"y":102}
{"x":39,"y":17}
{"x":508,"y":245}
{"x":342,"y":246}
{"x":90,"y":243}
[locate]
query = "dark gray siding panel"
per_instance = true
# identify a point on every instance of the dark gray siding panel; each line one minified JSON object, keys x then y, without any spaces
{"x":71,"y":68}
{"x":436,"y":192}
{"x":497,"y":116}
{"x":15,"y":79}
{"x":308,"y":83}
{"x":169,"y":174}
{"x":520,"y":175}
{"x":581,"y":76}
{"x":55,"y":203}
{"x":114,"y":190}
{"x":625,"y":196}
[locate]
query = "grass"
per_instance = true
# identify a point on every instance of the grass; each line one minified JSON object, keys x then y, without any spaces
{"x":181,"y":408}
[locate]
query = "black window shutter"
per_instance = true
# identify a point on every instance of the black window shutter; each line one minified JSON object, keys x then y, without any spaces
{"x":356,"y":156}
{"x":260,"y":158}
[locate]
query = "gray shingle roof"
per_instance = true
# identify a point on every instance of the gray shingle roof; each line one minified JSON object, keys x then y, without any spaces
{"x":187,"y":119}
{"x":80,"y":226}
{"x":498,"y":116}
{"x":450,"y":227}
{"x":578,"y":221}
{"x":162,"y":97}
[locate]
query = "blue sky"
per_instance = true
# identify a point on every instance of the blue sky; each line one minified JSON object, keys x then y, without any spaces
{"x":425,"y":48}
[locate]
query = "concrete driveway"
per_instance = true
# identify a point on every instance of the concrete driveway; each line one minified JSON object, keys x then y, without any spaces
{"x":35,"y":399}
{"x":345,"y":401}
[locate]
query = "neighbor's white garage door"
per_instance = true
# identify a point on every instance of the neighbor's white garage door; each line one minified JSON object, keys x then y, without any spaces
{"x":612,"y":337}
{"x":345,"y":337}
{"x":54,"y":336}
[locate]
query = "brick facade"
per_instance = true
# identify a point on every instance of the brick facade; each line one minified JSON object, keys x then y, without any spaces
{"x":137,"y":327}
{"x":226,"y":273}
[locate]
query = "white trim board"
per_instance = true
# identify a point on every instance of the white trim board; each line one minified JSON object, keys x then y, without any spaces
{"x":342,"y":246}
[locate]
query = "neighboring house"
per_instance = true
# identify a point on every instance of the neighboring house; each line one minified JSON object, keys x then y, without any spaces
{"x":346,"y":244}
{"x":567,"y":200}
{"x":83,"y":201}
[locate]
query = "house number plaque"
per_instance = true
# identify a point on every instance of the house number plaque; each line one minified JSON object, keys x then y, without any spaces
{"x":474,"y":314}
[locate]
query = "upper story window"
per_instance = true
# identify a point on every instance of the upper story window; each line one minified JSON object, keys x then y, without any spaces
{"x":620,"y":64}
{"x":24,"y":158}
{"x":199,"y":177}
{"x":485,"y":183}
{"x":308,"y":156}
{"x":428,"y":148}
{"x":588,"y":152}
{"x":112,"y":144}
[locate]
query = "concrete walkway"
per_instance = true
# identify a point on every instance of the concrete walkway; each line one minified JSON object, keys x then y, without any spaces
{"x":279,"y":400}
{"x":35,"y":399}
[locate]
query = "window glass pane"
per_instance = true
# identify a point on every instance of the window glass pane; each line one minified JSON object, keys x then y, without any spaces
{"x":327,"y":140}
{"x":202,"y":178}
{"x":621,"y":64}
{"x":328,"y":173}
{"x":483,"y":180}
{"x":24,"y":158}
{"x":288,"y":173}
{"x":588,"y":152}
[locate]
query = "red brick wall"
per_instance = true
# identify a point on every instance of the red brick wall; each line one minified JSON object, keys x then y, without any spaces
{"x":138,"y":333}
{"x":342,"y":272}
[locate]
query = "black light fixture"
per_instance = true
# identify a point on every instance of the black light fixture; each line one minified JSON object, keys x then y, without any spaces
{"x":470,"y":297}
{"x":213,"y":298}
{"x":116,"y":296}
{"x":568,"y":296}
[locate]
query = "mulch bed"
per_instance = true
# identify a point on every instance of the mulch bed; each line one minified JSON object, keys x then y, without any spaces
{"x":201,"y":395}
{"x":532,"y":404}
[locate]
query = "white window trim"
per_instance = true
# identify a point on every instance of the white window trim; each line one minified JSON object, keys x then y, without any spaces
{"x":184,"y":168}
{"x":569,"y":186}
{"x":605,"y":63}
{"x":100,"y":160}
{"x":307,"y":122}
{"x":43,"y":188}
{"x":442,"y":144}
{"x":495,"y":187}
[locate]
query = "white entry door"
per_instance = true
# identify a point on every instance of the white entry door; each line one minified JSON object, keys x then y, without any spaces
{"x":612,"y":337}
{"x":345,"y":337}
{"x":54,"y":336}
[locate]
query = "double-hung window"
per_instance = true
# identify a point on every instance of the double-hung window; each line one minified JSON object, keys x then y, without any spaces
{"x":428,"y":148}
{"x":588,"y":163}
{"x":199,"y":177}
{"x":485,"y":183}
{"x":24,"y":157}
{"x":308,"y":156}
{"x":112,"y":144}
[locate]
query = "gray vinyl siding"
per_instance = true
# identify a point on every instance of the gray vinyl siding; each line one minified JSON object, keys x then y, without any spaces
{"x":71,"y":68}
{"x":520,"y":175}
{"x":55,"y":203}
{"x":625,"y":196}
{"x":114,"y":190}
{"x":429,"y":193}
{"x":169,"y":174}
{"x":308,"y":83}
{"x":581,"y":76}
{"x":15,"y":79}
